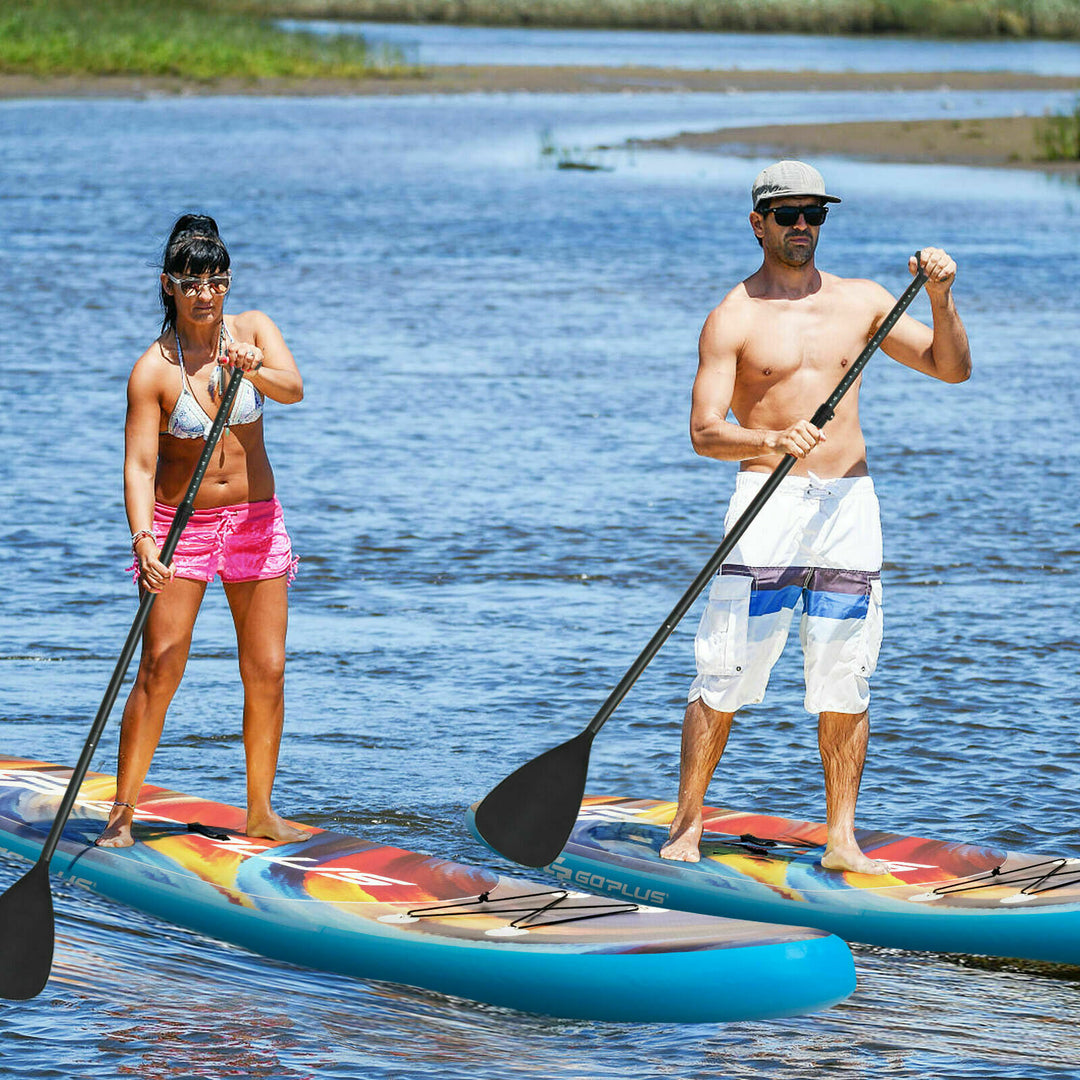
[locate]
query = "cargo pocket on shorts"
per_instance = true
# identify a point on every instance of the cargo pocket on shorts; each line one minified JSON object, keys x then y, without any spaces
{"x":720,"y":645}
{"x":870,"y":642}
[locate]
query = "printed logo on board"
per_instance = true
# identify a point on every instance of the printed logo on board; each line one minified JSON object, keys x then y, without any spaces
{"x":607,"y":886}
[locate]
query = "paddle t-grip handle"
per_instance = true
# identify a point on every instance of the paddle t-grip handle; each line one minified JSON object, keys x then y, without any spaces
{"x":824,"y":414}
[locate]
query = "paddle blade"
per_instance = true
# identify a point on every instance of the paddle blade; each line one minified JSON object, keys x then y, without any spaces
{"x":528,"y":817}
{"x":26,"y":935}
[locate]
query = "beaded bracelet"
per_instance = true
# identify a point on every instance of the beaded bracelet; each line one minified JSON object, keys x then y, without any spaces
{"x":137,"y":536}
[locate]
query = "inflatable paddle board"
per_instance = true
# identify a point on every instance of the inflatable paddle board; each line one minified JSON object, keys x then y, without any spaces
{"x":341,"y":904}
{"x":937,"y":896}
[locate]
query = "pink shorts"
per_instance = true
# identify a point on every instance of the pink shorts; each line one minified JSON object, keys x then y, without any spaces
{"x":244,"y":542}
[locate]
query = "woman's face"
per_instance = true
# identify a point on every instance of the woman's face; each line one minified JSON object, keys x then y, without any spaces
{"x":198,"y":297}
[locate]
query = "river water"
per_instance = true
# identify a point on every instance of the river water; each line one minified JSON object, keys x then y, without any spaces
{"x":438,"y":43}
{"x":494,"y":498}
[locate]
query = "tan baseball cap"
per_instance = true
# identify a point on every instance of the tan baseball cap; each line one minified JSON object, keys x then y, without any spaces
{"x":787,"y":178}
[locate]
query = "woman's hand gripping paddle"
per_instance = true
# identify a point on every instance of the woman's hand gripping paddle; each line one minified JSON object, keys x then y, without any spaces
{"x":529,"y":815}
{"x":27,"y":930}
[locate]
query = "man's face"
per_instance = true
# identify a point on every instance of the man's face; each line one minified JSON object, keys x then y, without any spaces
{"x":791,"y":241}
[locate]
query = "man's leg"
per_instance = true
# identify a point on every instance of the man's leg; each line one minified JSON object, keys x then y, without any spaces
{"x":704,"y":735}
{"x":842,"y":740}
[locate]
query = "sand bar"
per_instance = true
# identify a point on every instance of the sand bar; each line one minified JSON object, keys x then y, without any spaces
{"x":523,"y":79}
{"x":1003,"y":142}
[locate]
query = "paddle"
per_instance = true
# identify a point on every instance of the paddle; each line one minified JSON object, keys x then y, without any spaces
{"x":27,"y":928}
{"x":529,"y":815}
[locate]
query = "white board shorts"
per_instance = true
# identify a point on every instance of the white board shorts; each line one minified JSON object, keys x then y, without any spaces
{"x":814,"y":542}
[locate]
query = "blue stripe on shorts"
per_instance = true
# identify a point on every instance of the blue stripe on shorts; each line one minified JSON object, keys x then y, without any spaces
{"x":826,"y":593}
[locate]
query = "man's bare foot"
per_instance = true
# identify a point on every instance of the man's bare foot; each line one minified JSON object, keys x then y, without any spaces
{"x":852,"y":860}
{"x":683,"y":845}
{"x":117,"y":831}
{"x":273,"y":827}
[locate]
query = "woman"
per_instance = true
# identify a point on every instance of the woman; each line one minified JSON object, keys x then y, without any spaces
{"x":236,"y":529}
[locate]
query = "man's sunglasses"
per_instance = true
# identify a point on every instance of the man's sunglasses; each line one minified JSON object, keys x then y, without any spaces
{"x":788,"y":215}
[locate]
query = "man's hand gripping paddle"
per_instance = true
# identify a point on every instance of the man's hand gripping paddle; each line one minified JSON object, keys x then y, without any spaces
{"x":529,"y":815}
{"x":27,"y":930}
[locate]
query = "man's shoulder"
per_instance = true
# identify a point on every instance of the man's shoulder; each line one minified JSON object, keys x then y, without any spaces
{"x":853,"y":288}
{"x":735,"y":301}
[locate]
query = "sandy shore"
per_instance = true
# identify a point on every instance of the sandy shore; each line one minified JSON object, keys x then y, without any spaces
{"x":1006,"y":142}
{"x":515,"y":79}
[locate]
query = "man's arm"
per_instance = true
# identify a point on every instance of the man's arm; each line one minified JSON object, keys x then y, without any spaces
{"x":942,"y":352}
{"x":711,"y":433}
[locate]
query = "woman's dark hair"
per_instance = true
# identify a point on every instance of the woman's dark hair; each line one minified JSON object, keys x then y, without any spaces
{"x":193,"y":247}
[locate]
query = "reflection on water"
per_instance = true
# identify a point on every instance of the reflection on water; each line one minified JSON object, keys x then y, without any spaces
{"x":491,"y":488}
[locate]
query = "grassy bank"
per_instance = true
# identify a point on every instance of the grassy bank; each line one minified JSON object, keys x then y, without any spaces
{"x":193,"y":39}
{"x":939,"y":18}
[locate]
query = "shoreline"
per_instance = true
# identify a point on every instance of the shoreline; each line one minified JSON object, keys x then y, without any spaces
{"x":508,"y":79}
{"x":1001,"y":142}
{"x":1007,"y":142}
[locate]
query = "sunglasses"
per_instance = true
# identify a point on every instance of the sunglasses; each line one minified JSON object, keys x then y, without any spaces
{"x":788,"y":215}
{"x":192,"y":286}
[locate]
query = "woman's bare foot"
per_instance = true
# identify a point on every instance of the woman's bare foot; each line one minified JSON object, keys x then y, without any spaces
{"x":852,"y":860}
{"x":683,"y":844}
{"x":272,"y":827}
{"x":117,"y":831}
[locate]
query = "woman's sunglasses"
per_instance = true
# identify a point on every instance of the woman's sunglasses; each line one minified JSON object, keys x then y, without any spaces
{"x":788,"y":215}
{"x":191,"y":286}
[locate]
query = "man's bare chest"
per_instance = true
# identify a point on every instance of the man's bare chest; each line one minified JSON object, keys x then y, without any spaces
{"x":811,"y":346}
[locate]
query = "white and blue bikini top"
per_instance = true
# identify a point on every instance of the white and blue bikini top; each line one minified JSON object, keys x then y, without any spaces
{"x":188,"y":420}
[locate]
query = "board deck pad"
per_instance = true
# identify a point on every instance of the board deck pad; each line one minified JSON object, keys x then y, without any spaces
{"x":938,"y":895}
{"x":342,"y":904}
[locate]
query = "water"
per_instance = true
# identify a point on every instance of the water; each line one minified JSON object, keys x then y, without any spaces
{"x":437,"y":43}
{"x":492,"y":491}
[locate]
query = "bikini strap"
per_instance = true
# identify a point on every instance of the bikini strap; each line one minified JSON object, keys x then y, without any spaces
{"x":180,"y":360}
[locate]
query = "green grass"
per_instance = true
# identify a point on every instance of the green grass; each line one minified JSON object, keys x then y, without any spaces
{"x":213,"y":39}
{"x":193,"y":39}
{"x":935,"y":18}
{"x":1058,"y":135}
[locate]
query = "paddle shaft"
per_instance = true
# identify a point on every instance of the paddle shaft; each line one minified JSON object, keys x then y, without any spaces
{"x":183,"y":513}
{"x":824,"y":413}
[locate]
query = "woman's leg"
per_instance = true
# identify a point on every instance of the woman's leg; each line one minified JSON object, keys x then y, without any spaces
{"x":260,"y":613}
{"x":165,"y":646}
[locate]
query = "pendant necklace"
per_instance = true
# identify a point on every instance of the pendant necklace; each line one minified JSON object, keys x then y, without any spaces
{"x":217,"y":382}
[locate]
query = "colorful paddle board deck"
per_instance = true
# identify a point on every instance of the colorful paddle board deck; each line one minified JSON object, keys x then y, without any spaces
{"x":340,"y":904}
{"x":937,"y":896}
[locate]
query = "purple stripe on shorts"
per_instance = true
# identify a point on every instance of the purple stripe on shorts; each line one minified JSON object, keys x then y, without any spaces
{"x":817,"y":578}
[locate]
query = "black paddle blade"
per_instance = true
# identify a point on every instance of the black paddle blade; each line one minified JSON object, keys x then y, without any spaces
{"x":529,"y":816}
{"x":26,"y":935}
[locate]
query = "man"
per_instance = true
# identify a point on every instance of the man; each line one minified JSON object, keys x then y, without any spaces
{"x":770,"y":354}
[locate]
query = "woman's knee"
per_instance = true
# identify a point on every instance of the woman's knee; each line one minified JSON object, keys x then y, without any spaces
{"x":264,"y":672}
{"x":162,"y":667}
